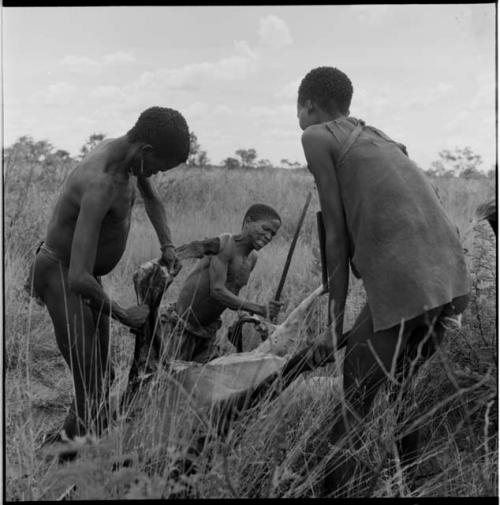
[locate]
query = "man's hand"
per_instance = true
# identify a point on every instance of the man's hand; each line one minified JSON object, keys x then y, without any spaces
{"x":271,"y":310}
{"x":170,"y":260}
{"x":135,"y":316}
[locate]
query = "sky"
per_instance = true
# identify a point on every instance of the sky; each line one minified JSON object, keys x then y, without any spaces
{"x":424,"y":74}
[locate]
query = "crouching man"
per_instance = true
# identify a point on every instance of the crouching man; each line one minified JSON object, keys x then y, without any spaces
{"x":190,"y":325}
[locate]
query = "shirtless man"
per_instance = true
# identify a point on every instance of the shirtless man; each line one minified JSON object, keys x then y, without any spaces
{"x":383,"y":218}
{"x":86,"y":238}
{"x":214,"y":284}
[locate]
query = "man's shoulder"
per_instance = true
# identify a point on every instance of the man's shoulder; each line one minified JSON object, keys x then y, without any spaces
{"x":317,"y":136}
{"x":93,"y":181}
{"x":226,"y":244}
{"x":316,"y":130}
{"x":97,"y":173}
{"x":317,"y":143}
{"x":225,"y":239}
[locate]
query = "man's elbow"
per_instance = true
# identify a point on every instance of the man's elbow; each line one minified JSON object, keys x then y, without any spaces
{"x":78,"y":284}
{"x":217,"y":293}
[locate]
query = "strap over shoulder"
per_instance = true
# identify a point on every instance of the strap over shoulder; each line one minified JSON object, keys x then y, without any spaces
{"x":350,"y":141}
{"x":357,"y":132}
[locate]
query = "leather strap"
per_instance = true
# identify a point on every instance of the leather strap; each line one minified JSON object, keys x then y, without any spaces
{"x":350,"y":141}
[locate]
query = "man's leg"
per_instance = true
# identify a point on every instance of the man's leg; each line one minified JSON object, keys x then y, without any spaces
{"x":427,"y":334}
{"x":102,"y":322}
{"x":204,"y":349}
{"x":363,"y":376}
{"x":83,"y":346}
{"x":422,"y":344}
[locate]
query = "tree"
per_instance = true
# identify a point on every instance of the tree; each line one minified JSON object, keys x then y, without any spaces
{"x":264,"y":163}
{"x":62,"y":155}
{"x":91,"y":143}
{"x":197,"y":156}
{"x":459,"y":162}
{"x":25,"y":150}
{"x":31,"y":168}
{"x":231,"y":163}
{"x":35,"y":161}
{"x":291,"y":164}
{"x":248,"y":157}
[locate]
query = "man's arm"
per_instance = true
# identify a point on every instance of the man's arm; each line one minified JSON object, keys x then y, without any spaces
{"x":94,"y":205}
{"x":198,"y":248}
{"x":158,"y":217}
{"x":317,"y":149}
{"x":218,"y":290}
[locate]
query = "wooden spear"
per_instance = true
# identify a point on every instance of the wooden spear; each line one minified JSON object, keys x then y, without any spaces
{"x":277,"y":296}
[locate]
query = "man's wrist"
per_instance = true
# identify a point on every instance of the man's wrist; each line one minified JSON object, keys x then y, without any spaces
{"x":251,"y":308}
{"x":261,"y":310}
{"x":118,"y":313}
{"x":166,"y":245}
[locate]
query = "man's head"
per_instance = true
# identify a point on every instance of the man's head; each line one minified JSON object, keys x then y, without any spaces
{"x":164,"y":137}
{"x":323,"y":91}
{"x":261,"y":223}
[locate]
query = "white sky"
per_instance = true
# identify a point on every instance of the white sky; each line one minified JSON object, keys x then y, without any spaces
{"x":425,"y":74}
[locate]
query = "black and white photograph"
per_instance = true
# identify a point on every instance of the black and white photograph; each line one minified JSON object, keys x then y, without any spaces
{"x":250,"y":251}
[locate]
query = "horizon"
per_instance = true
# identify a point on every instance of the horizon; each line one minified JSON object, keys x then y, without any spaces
{"x":424,"y":74}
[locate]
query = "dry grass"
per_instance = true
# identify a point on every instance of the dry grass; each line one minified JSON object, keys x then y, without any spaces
{"x":267,"y":452}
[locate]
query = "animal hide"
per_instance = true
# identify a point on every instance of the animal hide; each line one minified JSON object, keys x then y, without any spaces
{"x":234,"y":379}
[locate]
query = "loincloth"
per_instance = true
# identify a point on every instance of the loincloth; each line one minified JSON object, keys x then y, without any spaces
{"x":186,"y":340}
{"x":50,"y":253}
{"x":29,"y":284}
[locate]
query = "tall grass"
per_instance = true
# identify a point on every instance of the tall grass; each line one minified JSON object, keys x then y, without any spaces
{"x":273,"y":450}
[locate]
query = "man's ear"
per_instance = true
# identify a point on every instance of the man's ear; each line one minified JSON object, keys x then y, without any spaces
{"x":310,"y":106}
{"x":146,"y":148}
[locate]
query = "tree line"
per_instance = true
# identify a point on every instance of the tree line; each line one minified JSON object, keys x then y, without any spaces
{"x":43,"y":158}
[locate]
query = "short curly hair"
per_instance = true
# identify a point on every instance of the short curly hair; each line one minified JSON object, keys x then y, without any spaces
{"x":261,"y":211}
{"x":165,"y":130}
{"x":327,"y":86}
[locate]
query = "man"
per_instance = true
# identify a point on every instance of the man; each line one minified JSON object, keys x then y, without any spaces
{"x":382,"y":216}
{"x":213,"y":286}
{"x":86,"y":238}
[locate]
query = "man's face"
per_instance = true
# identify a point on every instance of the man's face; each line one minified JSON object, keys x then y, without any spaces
{"x":306,"y":115}
{"x":261,"y":231}
{"x":148,"y":163}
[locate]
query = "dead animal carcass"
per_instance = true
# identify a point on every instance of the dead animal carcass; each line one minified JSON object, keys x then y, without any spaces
{"x":228,"y":383}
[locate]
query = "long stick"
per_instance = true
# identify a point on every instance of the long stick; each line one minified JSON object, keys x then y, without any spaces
{"x":322,"y":250}
{"x":292,"y":248}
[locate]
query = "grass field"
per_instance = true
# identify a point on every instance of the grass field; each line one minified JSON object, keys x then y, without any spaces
{"x":265,"y":454}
